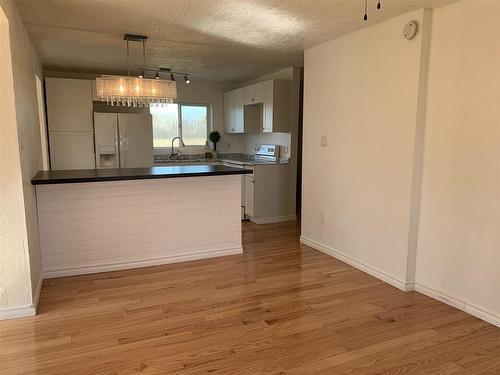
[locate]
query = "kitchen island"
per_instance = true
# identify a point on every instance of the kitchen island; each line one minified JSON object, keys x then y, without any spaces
{"x":104,"y":220}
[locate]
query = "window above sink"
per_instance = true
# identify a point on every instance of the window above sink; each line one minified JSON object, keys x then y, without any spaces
{"x":187,"y":120}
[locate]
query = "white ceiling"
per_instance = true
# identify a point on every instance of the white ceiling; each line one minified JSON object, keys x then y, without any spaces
{"x":215,"y":40}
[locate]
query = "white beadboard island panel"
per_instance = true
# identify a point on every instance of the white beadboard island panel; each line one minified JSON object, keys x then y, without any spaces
{"x":105,"y":226}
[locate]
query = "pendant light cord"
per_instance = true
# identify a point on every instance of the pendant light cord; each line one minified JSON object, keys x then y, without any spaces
{"x":144,"y":53}
{"x":366,"y":11}
{"x":128,"y":67}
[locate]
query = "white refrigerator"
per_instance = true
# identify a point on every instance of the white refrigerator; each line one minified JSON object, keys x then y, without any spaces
{"x":123,"y":140}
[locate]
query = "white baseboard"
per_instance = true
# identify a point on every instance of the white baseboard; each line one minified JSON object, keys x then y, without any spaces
{"x":23,"y":311}
{"x":96,"y":268}
{"x":470,"y":308}
{"x":389,"y":279}
{"x":270,"y":220}
{"x":17,"y":312}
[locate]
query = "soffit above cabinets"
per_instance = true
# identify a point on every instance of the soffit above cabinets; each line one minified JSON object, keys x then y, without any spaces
{"x":216,"y":40}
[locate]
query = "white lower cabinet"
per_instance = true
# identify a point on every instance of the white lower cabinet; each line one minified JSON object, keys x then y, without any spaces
{"x":268,"y":197}
{"x":71,"y":150}
{"x":249,"y":195}
{"x":266,"y":193}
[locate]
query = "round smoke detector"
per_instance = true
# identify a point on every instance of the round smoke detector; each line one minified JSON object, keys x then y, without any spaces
{"x":410,"y":30}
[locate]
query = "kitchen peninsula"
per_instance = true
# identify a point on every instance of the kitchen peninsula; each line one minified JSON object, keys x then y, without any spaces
{"x":104,"y":220}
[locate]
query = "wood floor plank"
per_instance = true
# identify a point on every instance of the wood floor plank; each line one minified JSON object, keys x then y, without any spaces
{"x":279,"y":308}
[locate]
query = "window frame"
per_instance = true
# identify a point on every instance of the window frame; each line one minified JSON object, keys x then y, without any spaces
{"x":188,"y":148}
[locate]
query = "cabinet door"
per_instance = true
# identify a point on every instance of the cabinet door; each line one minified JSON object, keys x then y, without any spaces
{"x":254,"y":94}
{"x":239,"y":114}
{"x":71,"y":150}
{"x":249,"y":94}
{"x":228,"y":112}
{"x":94,"y":91}
{"x":69,"y":104}
{"x":249,"y":195}
{"x":268,"y":106}
{"x":260,"y":92}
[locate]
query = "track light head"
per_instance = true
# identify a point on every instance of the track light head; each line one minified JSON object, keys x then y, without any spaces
{"x":172,"y":77}
{"x":186,"y":78}
{"x":378,"y":5}
{"x":141,"y":74}
{"x":157,"y":76}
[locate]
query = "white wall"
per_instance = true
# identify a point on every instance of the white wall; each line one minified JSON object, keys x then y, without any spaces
{"x":459,"y":237}
{"x":410,"y":181}
{"x":361,"y":92}
{"x":21,"y":158}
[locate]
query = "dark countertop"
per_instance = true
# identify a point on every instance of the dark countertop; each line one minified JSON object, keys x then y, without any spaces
{"x":96,"y":175}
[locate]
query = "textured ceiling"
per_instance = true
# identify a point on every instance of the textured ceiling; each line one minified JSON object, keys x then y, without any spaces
{"x":215,"y":40}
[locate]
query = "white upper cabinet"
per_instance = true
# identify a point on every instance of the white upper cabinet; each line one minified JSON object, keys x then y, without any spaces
{"x":277,"y":106}
{"x":267,"y":104}
{"x":254,"y":94}
{"x":94,"y":91}
{"x":239,"y":126}
{"x":69,"y":104}
{"x":228,"y":112}
{"x":233,"y":111}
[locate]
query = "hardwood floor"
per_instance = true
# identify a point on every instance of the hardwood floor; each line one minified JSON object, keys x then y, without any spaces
{"x":281,"y":308}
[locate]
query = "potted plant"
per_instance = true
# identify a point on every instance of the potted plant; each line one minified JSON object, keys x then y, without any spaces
{"x":214,"y":137}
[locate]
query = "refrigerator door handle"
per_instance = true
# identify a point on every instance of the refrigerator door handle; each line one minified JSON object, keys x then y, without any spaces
{"x":117,"y":146}
{"x":121,"y":163}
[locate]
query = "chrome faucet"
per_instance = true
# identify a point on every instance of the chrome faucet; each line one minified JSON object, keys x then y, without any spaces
{"x":173,"y":153}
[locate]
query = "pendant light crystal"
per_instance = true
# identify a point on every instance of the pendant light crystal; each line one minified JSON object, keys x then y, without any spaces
{"x":135,"y":92}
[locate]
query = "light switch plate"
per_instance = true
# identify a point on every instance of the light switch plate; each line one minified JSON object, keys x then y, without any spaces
{"x":324,"y":141}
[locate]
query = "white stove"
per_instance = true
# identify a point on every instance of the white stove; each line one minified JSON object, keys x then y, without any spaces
{"x":267,"y":153}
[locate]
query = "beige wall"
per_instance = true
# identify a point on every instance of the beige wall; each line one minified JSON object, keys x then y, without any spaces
{"x":361,"y":92}
{"x":21,"y":159}
{"x":459,"y":237}
{"x":410,"y":181}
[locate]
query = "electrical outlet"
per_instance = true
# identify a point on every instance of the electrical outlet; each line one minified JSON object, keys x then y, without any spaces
{"x":324,"y":141}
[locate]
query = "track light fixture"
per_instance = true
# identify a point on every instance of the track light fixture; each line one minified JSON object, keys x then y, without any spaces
{"x":379,"y":6}
{"x":146,"y":72}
